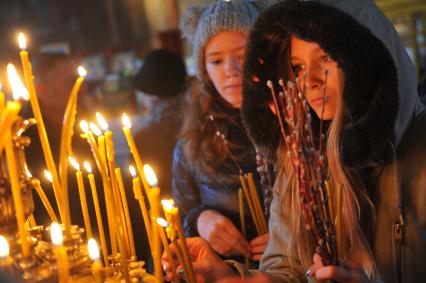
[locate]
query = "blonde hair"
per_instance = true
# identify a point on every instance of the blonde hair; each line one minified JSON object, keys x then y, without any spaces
{"x":355,"y":244}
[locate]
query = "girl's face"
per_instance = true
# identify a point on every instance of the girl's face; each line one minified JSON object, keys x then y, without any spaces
{"x":308,"y":57}
{"x":224,"y":56}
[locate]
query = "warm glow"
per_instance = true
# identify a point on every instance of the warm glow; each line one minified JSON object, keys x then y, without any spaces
{"x":56,"y":234}
{"x":87,"y":166}
{"x":162,"y":222}
{"x":95,"y":129}
{"x":93,"y":249}
{"x":4,"y":247}
{"x":150,"y":175}
{"x":18,"y":88}
{"x":168,"y":204}
{"x":132,"y":171}
{"x":48,"y":176}
{"x":22,"y":41}
{"x":84,"y":126}
{"x":101,"y":121}
{"x":126,"y":121}
{"x":29,"y":175}
{"x":81,"y":71}
{"x":74,"y":163}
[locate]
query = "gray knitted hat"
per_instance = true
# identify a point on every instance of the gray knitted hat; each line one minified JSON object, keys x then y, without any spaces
{"x":200,"y":23}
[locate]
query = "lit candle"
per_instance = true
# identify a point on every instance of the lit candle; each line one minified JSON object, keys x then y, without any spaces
{"x":339,"y":226}
{"x":6,"y":260}
{"x":66,"y":135}
{"x":92,"y":183}
{"x":82,"y":193}
{"x":44,"y":200}
{"x":60,"y":252}
{"x":41,"y":128}
{"x":114,"y":183}
{"x":154,"y":196}
{"x":97,"y":268}
{"x":126,"y":211}
{"x":172,"y":237}
{"x":16,"y":193}
{"x":243,"y":221}
{"x":163,"y":225}
{"x":2,"y":98}
{"x":134,"y":151}
{"x":139,"y":196}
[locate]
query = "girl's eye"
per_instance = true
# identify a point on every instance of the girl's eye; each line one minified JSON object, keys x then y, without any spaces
{"x":325,"y":59}
{"x":216,"y":62}
{"x":297,"y":69}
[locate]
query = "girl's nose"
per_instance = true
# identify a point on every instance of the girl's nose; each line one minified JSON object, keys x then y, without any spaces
{"x":315,"y":76}
{"x":232,"y":67}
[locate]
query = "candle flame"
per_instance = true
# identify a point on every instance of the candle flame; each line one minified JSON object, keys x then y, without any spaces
{"x":168,"y":204}
{"x":48,"y":176}
{"x":93,"y":249}
{"x":18,"y":88}
{"x":4,"y":247}
{"x":22,"y":42}
{"x":84,"y":126}
{"x":132,"y":171}
{"x":87,"y":166}
{"x":56,"y":234}
{"x":81,"y":71}
{"x":74,"y":163}
{"x":27,"y":171}
{"x":126,"y":121}
{"x":150,"y":175}
{"x":101,"y":121}
{"x":95,"y":129}
{"x":162,"y":222}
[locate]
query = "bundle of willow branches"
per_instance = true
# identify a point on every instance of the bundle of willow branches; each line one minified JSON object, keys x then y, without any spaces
{"x":307,"y":155}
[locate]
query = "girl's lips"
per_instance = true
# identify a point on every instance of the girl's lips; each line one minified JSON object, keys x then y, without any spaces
{"x":233,"y":86}
{"x":319,"y":101}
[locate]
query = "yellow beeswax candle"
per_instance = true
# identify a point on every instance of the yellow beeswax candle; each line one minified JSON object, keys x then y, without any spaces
{"x":139,"y":196}
{"x":256,"y":203}
{"x":16,"y":193}
{"x":243,"y":221}
{"x":41,"y":129}
{"x":154,"y":196}
{"x":44,"y":200}
{"x":163,"y":225}
{"x":83,"y":200}
{"x":60,"y":253}
{"x":126,"y":211}
{"x":97,"y":268}
{"x":250,"y":205}
{"x":93,"y":188}
{"x":66,"y":136}
{"x":135,"y":153}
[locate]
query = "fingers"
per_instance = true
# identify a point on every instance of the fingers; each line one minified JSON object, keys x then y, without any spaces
{"x":317,"y":265}
{"x":258,"y":246}
{"x":338,"y":274}
{"x":236,"y":241}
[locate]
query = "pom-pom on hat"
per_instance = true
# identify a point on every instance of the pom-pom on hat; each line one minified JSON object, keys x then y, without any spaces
{"x":200,"y":23}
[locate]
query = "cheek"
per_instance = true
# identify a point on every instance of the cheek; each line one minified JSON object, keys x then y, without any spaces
{"x":215,"y":76}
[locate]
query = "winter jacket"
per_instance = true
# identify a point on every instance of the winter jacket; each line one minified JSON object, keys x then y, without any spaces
{"x":384,"y":129}
{"x":195,"y":192}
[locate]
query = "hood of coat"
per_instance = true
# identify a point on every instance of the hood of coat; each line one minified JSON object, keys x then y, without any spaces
{"x":380,"y":88}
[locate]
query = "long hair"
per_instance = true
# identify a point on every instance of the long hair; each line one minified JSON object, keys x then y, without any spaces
{"x":355,"y":245}
{"x":203,"y":148}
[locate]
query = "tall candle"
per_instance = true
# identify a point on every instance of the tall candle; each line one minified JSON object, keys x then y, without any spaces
{"x":126,"y":211}
{"x":134,"y":151}
{"x":163,"y":225}
{"x":66,"y":136}
{"x":60,"y":252}
{"x":44,"y":200}
{"x":250,"y":205}
{"x":6,"y":261}
{"x":93,"y":188}
{"x":83,"y":200}
{"x":16,"y":192}
{"x":97,"y":268}
{"x":243,"y":221}
{"x":256,"y":204}
{"x":41,"y":128}
{"x":139,"y":196}
{"x":154,"y":196}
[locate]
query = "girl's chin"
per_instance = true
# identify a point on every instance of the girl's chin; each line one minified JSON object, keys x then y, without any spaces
{"x":326,"y":115}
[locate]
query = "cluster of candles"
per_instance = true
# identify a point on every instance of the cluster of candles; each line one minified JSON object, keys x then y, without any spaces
{"x":307,"y":154}
{"x":159,"y":231}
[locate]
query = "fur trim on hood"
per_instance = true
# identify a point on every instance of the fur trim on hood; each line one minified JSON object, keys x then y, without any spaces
{"x":380,"y":96}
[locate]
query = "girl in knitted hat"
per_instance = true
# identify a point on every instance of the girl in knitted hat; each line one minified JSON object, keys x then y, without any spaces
{"x":359,"y":91}
{"x":213,"y":149}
